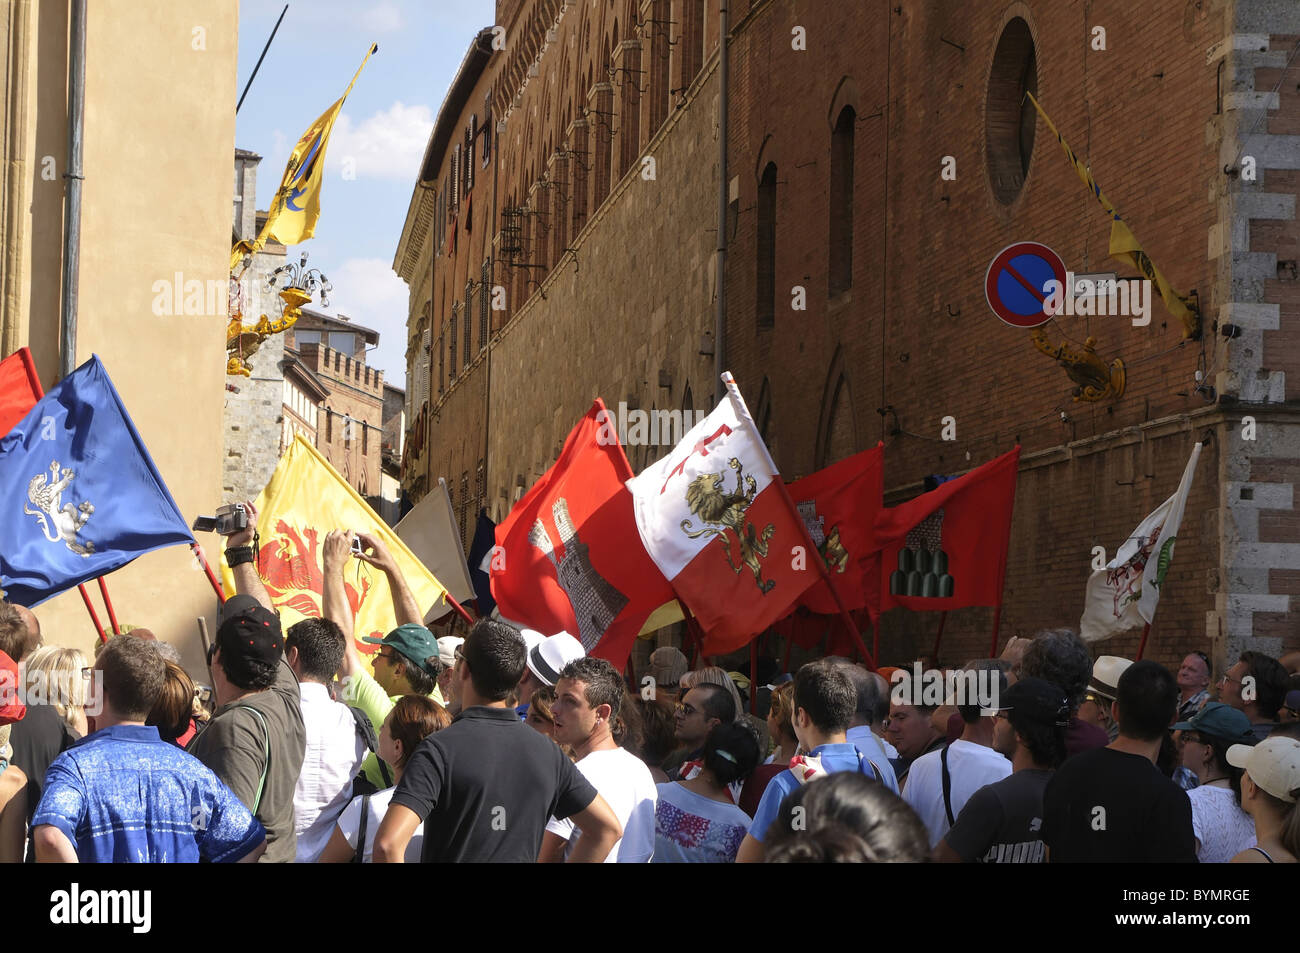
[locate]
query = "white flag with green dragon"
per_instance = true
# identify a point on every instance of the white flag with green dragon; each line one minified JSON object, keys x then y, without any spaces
{"x":1124,"y":595}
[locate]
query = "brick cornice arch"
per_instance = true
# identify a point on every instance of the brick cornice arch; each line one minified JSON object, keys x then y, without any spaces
{"x":846,"y":94}
{"x":837,"y":386}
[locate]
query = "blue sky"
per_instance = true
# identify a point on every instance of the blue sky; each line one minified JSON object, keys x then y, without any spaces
{"x":383,"y":128}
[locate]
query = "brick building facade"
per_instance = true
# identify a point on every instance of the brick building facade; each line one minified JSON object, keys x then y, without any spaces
{"x":350,"y":420}
{"x":854,"y":285}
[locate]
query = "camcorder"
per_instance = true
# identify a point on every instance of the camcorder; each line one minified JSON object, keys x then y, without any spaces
{"x":229,"y":519}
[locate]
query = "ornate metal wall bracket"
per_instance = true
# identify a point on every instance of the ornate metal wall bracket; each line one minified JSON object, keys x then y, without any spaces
{"x":1096,"y":379}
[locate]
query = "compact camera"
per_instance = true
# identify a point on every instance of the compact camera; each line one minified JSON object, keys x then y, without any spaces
{"x":229,"y":519}
{"x":356,"y":546}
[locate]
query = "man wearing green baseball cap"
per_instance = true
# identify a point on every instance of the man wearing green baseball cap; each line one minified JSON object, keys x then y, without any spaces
{"x":407,"y":660}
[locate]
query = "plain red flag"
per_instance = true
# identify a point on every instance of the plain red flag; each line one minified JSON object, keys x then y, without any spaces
{"x":568,"y":556}
{"x":19,"y":388}
{"x":839,"y":505}
{"x":947,"y":549}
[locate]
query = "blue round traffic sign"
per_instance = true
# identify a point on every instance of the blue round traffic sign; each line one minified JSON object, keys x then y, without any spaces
{"x":1016,"y":284}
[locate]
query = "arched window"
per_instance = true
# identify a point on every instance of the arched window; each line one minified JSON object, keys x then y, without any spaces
{"x":841,"y":212}
{"x":765,"y":250}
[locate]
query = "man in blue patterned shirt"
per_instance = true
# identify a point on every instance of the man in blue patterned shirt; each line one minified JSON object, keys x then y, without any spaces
{"x":121,"y":794}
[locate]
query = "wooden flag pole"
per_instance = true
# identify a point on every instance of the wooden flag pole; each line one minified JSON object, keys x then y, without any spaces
{"x":938,"y":636}
{"x":997,"y":621}
{"x":825,"y":575}
{"x":207,"y":645}
{"x":753,"y":675}
{"x":1146,"y":630}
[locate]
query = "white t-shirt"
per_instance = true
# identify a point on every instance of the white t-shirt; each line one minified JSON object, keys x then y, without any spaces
{"x":626,"y":784}
{"x":350,"y":822}
{"x":691,"y":828}
{"x":970,"y":767}
{"x":331,"y":759}
{"x":1223,"y":830}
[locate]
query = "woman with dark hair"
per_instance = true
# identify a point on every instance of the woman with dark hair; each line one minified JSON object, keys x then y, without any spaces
{"x":846,"y":817}
{"x":696,"y":821}
{"x":657,"y":724}
{"x":413,"y":718}
{"x":1222,"y":828}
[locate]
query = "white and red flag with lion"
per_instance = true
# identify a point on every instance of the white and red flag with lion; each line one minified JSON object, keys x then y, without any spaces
{"x":716,"y":519}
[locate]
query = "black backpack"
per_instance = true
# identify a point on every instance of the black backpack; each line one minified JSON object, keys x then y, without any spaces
{"x":362,"y":785}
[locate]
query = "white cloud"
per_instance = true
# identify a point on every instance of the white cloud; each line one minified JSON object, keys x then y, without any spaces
{"x":383,"y":17}
{"x":371,"y":294}
{"x":388,"y":144}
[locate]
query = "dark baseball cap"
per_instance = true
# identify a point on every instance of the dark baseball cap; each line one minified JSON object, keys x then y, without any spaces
{"x":1221,"y":721}
{"x":1037,"y":700}
{"x":415,"y":642}
{"x":249,"y":629}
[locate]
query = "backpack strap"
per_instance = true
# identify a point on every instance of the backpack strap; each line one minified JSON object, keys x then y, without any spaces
{"x":359,"y":856}
{"x":875,"y":771}
{"x":947,"y":785}
{"x":266,"y":753}
{"x":366,"y":731}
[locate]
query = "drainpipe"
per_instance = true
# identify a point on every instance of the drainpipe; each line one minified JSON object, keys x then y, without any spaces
{"x":720,"y":314}
{"x":72,"y":204}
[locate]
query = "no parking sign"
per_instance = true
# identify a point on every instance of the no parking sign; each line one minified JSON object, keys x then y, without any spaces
{"x":1016,"y":283}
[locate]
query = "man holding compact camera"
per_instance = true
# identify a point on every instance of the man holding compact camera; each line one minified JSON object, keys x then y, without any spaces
{"x":407,"y":661}
{"x":255,"y":741}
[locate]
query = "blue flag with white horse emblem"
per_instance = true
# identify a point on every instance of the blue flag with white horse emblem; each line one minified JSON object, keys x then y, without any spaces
{"x":79,"y":494}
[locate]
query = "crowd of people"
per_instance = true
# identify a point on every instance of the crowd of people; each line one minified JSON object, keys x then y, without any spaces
{"x":509,"y":744}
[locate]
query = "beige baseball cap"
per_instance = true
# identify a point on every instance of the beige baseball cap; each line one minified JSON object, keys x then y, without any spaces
{"x":1273,"y":764}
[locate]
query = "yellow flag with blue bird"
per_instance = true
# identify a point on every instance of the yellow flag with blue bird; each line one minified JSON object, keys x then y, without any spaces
{"x":296,"y":209}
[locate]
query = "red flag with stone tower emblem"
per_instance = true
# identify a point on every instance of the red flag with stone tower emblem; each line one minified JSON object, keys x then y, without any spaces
{"x":567,"y":557}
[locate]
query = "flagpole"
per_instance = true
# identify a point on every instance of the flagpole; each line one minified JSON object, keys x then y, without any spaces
{"x":457,"y":606}
{"x":94,"y":617}
{"x":938,"y":636}
{"x":35,"y":382}
{"x":112,"y":616}
{"x":753,"y":675}
{"x":203,"y":561}
{"x":743,"y":411}
{"x":1002,"y":569}
{"x":1146,"y":629}
{"x":825,"y":575}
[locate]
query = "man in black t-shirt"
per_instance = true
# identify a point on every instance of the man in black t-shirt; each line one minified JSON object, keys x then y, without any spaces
{"x":485,"y":786}
{"x":1112,"y":805}
{"x":1002,"y":822}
